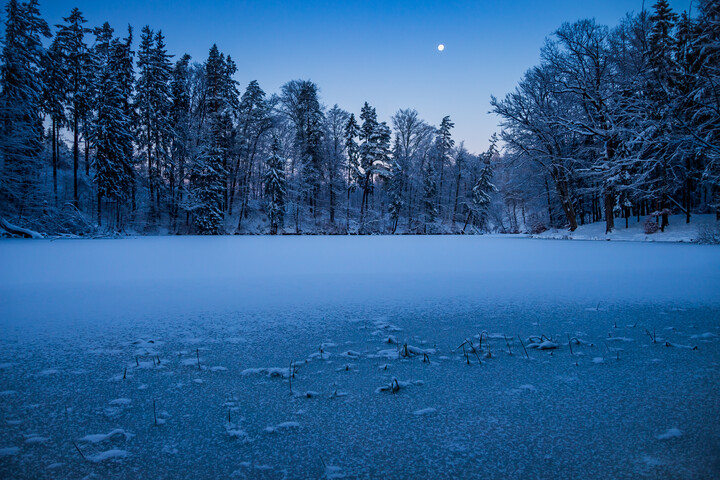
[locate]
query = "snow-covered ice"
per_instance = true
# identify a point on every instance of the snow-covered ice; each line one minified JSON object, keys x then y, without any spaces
{"x":273,"y":319}
{"x":108,"y":455}
{"x":102,"y":437}
{"x":424,"y":411}
{"x":670,"y":433}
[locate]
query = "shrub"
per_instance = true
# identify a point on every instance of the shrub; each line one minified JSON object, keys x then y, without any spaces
{"x":537,"y":226}
{"x":709,"y":234}
{"x":651,"y":226}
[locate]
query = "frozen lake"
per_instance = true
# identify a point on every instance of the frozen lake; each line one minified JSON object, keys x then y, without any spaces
{"x":226,"y":316}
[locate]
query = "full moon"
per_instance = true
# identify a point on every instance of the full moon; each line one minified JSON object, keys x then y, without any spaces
{"x":441,"y":47}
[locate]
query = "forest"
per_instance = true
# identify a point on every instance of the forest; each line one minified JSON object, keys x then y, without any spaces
{"x":105,"y":132}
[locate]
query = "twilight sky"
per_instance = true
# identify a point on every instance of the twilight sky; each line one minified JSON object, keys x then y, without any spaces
{"x":383,"y":52}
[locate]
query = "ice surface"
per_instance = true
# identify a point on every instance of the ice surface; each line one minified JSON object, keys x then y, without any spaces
{"x":99,"y":314}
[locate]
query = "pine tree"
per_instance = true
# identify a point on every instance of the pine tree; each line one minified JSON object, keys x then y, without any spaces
{"x":163,"y":129}
{"x":374,"y":154}
{"x":75,"y":57}
{"x":208,"y":181}
{"x":21,"y":103}
{"x":335,"y":123}
{"x":206,"y":190}
{"x":180,"y":113}
{"x":122,"y":57}
{"x":430,"y":194}
{"x":395,"y":188}
{"x":662,"y":43}
{"x":444,"y":146}
{"x":111,"y":134}
{"x":366,"y":148}
{"x":484,"y":187}
{"x":662,"y":47}
{"x":704,"y":97}
{"x":253,"y":123}
{"x":460,"y":159}
{"x":302,"y":107}
{"x":53,"y":103}
{"x":144,"y":104}
{"x":154,"y":102}
{"x":352,"y":130}
{"x":312,"y":135}
{"x":275,"y":188}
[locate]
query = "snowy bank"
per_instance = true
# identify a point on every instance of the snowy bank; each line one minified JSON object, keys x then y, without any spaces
{"x":677,"y":231}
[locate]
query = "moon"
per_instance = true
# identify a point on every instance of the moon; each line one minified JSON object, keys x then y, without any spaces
{"x":441,"y":47}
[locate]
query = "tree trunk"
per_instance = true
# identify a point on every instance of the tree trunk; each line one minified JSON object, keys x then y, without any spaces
{"x":626,"y":211}
{"x":134,"y":190}
{"x":55,"y":151}
{"x":87,"y":157}
{"x":457,"y":194}
{"x":172,"y":188}
{"x":440,"y":189}
{"x":566,"y":202}
{"x":347,"y":210}
{"x":150,"y":169}
{"x":467,"y":220}
{"x":609,"y":218}
{"x":297,"y":216}
{"x":76,"y":161}
{"x":547,"y":192}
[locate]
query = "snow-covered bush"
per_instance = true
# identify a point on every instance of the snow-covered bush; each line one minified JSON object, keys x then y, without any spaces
{"x":651,"y":226}
{"x":537,"y":226}
{"x":709,"y":234}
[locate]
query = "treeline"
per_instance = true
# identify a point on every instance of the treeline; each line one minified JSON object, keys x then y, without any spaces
{"x":615,"y":123}
{"x":100,"y":135}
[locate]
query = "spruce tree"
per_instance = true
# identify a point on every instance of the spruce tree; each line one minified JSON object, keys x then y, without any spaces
{"x":180,"y":119}
{"x":275,"y":188}
{"x":206,"y":190}
{"x":484,"y":187}
{"x":208,"y":179}
{"x":122,"y":57}
{"x":145,"y":103}
{"x":75,"y":57}
{"x":163,"y":130}
{"x":395,"y":188}
{"x":704,"y":98}
{"x":53,"y":103}
{"x":430,"y":194}
{"x":21,"y":103}
{"x":302,"y":107}
{"x":444,"y":147}
{"x":369,"y":124}
{"x":253,"y":123}
{"x":143,"y":97}
{"x":111,"y":134}
{"x":352,"y":130}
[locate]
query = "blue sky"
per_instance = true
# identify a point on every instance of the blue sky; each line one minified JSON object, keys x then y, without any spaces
{"x":383,"y":52}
